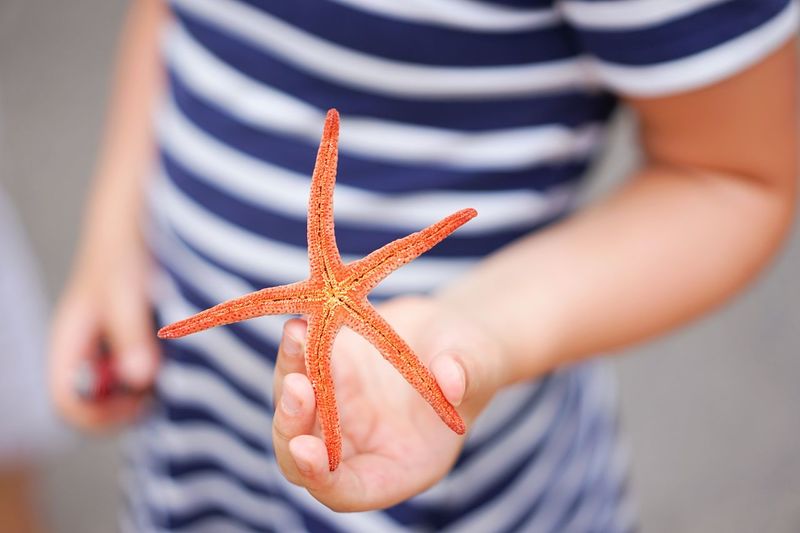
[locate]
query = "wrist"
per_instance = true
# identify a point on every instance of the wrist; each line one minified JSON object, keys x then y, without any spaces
{"x":111,"y":237}
{"x":524,"y":329}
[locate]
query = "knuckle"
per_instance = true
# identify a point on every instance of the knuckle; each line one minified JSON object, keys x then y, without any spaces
{"x":290,"y":473}
{"x":279,"y":431}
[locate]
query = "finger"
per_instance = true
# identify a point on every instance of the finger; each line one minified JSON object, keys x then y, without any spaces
{"x":131,"y":335}
{"x":361,"y":483}
{"x":467,"y":378}
{"x":113,"y":412}
{"x":74,"y":340}
{"x":294,"y":415}
{"x":290,"y":354}
{"x":451,"y":377}
{"x":450,"y":370}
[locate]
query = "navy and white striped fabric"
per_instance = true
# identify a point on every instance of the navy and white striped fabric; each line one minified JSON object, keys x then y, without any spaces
{"x":499,"y":105}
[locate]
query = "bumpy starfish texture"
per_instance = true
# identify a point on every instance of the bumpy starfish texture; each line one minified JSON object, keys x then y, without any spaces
{"x":335,"y":295}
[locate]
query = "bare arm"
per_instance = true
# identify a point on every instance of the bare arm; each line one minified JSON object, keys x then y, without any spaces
{"x":704,"y":214}
{"x":106,"y":294}
{"x":126,"y":148}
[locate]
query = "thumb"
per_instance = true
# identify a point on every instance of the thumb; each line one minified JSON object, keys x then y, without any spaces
{"x":463,"y":376}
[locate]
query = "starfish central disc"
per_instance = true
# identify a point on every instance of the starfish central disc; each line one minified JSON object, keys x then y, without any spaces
{"x":336,"y":292}
{"x":335,"y":295}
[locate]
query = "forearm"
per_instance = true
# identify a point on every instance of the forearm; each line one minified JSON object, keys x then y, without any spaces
{"x":668,"y":247}
{"x":126,"y":149}
{"x":104,"y":305}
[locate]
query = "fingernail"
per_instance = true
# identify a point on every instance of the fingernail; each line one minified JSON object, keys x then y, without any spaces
{"x":303,"y":466}
{"x":135,"y":366}
{"x":290,"y":403}
{"x":291,"y":346}
{"x":450,"y":373}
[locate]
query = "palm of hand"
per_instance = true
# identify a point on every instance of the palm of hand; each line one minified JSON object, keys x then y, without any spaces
{"x":388,"y":430}
{"x":394,"y":444}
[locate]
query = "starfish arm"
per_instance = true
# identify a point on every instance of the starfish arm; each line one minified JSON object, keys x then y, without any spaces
{"x":284,"y":299}
{"x":323,"y":254}
{"x":322,"y":329}
{"x":364,"y":319}
{"x":372,"y":269}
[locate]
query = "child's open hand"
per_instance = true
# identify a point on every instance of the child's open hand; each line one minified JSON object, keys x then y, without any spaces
{"x":394,"y":444}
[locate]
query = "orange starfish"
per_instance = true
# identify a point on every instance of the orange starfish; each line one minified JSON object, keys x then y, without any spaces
{"x":335,"y":295}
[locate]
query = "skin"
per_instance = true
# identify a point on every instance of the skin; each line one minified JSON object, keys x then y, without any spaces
{"x":703,"y":215}
{"x":106,"y":295}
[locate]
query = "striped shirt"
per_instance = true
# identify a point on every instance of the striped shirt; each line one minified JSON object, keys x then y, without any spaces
{"x":499,"y":105}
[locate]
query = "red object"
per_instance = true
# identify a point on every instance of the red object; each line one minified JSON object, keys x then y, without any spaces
{"x":95,"y":379}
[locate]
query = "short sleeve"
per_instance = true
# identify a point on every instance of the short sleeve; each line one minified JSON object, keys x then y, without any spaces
{"x":662,"y":47}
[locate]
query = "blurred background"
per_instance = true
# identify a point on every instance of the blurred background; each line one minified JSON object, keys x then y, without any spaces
{"x":711,"y":412}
